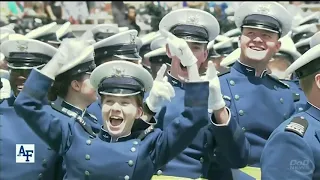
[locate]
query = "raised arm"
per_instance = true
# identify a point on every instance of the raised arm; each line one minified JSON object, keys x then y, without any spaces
{"x":53,"y":130}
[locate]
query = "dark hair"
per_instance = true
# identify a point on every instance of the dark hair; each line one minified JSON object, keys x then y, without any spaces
{"x":61,"y":86}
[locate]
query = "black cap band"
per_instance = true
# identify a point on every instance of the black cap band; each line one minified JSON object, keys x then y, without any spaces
{"x":300,"y":36}
{"x":120,"y":85}
{"x":263,"y":21}
{"x":311,"y":21}
{"x":81,"y":68}
{"x":309,"y":68}
{"x":68,"y":35}
{"x":128,"y":50}
{"x":102,"y":35}
{"x":160,"y":59}
{"x":303,"y":49}
{"x":225,"y":51}
{"x":48,"y":37}
{"x":190,"y":32}
{"x":25,"y":59}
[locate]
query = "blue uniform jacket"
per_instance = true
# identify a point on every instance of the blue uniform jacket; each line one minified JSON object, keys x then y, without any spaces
{"x":301,"y":104}
{"x":293,"y":150}
{"x":196,"y":160}
{"x":258,"y":106}
{"x":96,"y":157}
{"x":14,"y":130}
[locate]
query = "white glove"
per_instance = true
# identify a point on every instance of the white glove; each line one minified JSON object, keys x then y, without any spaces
{"x":179,"y":47}
{"x":215,"y":101}
{"x":161,"y":91}
{"x":5,"y":91}
{"x":66,"y":57}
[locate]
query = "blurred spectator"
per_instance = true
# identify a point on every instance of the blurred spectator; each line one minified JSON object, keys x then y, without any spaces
{"x":118,"y":9}
{"x":77,"y":11}
{"x":131,"y":17}
{"x":54,"y":11}
{"x":15,"y":8}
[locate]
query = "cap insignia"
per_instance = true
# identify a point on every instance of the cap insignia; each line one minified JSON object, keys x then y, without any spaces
{"x":132,"y":38}
{"x":117,"y":71}
{"x":264,"y":9}
{"x":193,"y":19}
{"x":22,"y":46}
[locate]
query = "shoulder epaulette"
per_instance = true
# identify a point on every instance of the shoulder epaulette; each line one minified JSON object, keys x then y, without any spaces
{"x":79,"y":119}
{"x":277,"y":80}
{"x":146,"y":132}
{"x":297,"y":125}
{"x":226,"y":71}
{"x":63,"y":110}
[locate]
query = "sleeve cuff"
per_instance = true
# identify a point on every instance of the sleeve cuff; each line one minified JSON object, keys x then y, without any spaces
{"x":225,"y":124}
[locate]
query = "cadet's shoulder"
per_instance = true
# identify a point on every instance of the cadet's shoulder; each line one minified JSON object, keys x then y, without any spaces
{"x":297,"y":125}
{"x":276,"y":80}
{"x":224,"y":72}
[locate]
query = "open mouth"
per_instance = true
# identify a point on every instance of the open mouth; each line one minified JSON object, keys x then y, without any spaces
{"x":19,"y":87}
{"x":116,"y":121}
{"x":257,"y":48}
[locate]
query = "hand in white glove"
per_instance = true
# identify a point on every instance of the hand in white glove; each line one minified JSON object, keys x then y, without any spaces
{"x":179,"y":47}
{"x":216,"y":101}
{"x":67,"y":56}
{"x":5,"y":91}
{"x":161,"y":91}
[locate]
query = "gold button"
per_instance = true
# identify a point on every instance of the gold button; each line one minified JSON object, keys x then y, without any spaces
{"x":130,"y":163}
{"x":241,"y":112}
{"x":232,"y":83}
{"x":243,"y":128}
{"x":135,"y":142}
{"x":237,"y":97}
{"x":281,"y":100}
{"x":159,"y":172}
{"x":133,"y":149}
{"x":88,"y":142}
{"x":300,"y":109}
{"x":126,"y":177}
{"x":87,"y":157}
{"x":201,"y":160}
{"x":87,"y":173}
{"x":40,"y":176}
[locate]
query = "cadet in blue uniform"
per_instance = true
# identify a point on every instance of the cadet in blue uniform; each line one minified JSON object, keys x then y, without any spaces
{"x":120,"y":46}
{"x":195,"y":28}
{"x":22,"y":56}
{"x":157,"y":56}
{"x":293,"y":149}
{"x":116,"y":152}
{"x":286,"y":55}
{"x":74,"y":88}
{"x":256,"y":103}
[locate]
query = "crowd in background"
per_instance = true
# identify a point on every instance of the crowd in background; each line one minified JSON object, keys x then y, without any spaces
{"x":135,"y":15}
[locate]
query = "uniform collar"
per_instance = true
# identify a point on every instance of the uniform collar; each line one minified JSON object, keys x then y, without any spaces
{"x":138,"y":127}
{"x":73,"y":108}
{"x":247,"y":70}
{"x":174,"y":81}
{"x":313,"y":111}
